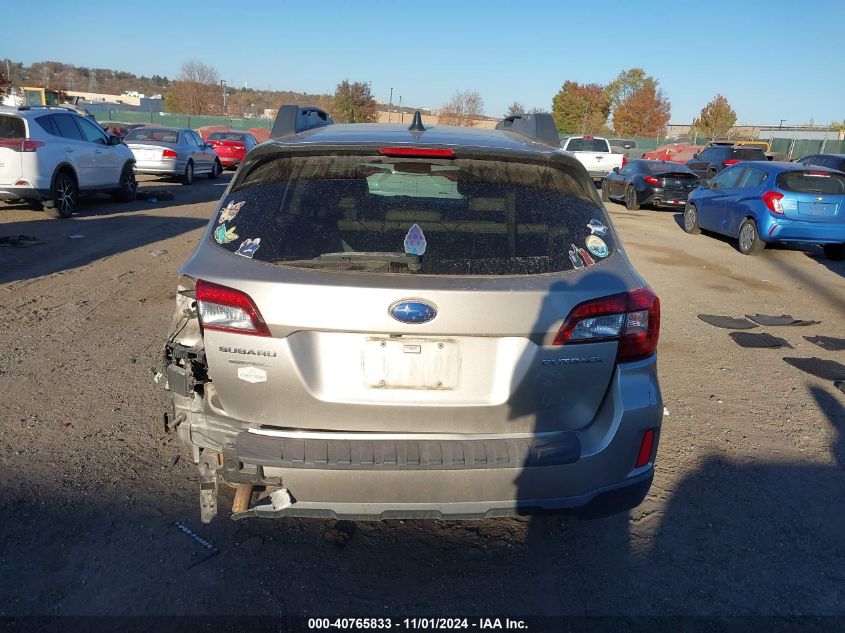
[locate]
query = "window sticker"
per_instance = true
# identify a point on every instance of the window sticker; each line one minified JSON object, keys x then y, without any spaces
{"x":575,"y":258}
{"x":222,"y":235}
{"x":597,"y":228}
{"x":248,"y":247}
{"x":415,"y":241}
{"x":229,"y":212}
{"x":596,"y":246}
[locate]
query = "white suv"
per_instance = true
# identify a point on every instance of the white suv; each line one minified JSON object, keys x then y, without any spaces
{"x":52,"y":156}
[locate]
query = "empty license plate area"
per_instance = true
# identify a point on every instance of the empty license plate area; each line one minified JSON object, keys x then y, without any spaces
{"x":818,"y":209}
{"x":403,"y":363}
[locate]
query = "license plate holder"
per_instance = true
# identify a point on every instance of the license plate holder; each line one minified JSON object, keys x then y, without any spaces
{"x":411,"y":363}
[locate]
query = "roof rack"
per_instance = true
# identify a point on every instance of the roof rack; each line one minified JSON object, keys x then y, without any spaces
{"x":293,"y":119}
{"x":539,"y":126}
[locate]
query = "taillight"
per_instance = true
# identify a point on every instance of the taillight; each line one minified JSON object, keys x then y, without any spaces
{"x":772,"y":200}
{"x":168,"y":153}
{"x":730,"y":161}
{"x":651,"y":180}
{"x":228,"y":310}
{"x":417,"y":152}
{"x":646,"y":448}
{"x":632,"y":318}
{"x":21,"y":144}
{"x":238,"y":147}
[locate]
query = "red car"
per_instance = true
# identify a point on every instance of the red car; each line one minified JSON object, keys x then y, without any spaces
{"x":231,"y":146}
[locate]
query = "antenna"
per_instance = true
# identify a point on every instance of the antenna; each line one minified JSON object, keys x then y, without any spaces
{"x":417,"y":124}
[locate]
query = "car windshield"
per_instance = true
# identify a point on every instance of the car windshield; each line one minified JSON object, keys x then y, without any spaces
{"x":155,"y":135}
{"x":436,"y":217}
{"x":587,"y":145}
{"x":226,"y":136}
{"x":820,"y":182}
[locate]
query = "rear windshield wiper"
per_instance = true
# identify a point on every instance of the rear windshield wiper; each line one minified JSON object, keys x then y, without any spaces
{"x":349,"y":260}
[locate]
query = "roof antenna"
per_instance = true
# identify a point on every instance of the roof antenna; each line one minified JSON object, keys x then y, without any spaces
{"x":416,"y":124}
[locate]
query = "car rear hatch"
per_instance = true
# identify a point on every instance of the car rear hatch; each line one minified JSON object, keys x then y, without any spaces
{"x":147,"y":153}
{"x":810,"y":196}
{"x":375,"y":293}
{"x":12,"y":146}
{"x":675,"y":185}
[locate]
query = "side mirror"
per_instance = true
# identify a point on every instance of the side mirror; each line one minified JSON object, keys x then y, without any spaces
{"x":696,"y":156}
{"x":615,"y":170}
{"x":114,"y":140}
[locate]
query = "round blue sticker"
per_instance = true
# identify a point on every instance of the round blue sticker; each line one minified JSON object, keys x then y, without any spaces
{"x":596,"y":246}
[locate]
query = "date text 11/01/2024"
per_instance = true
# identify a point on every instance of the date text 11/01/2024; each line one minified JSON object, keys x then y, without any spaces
{"x":432,"y":624}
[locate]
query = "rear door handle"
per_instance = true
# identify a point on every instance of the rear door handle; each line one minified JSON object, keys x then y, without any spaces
{"x":68,"y":150}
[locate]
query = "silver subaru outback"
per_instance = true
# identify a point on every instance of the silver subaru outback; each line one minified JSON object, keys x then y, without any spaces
{"x":391,"y":322}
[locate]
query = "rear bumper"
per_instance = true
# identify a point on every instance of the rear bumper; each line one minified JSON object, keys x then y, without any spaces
{"x":658,"y":198}
{"x":598,"y":175}
{"x":171,"y":168}
{"x":23,"y":193}
{"x":784,"y":230}
{"x":349,"y":477}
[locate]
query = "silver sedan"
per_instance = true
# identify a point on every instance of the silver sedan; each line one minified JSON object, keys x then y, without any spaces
{"x":164,"y":151}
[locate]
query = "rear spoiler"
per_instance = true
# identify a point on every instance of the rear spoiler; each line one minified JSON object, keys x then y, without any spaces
{"x":292,"y":119}
{"x":539,"y":126}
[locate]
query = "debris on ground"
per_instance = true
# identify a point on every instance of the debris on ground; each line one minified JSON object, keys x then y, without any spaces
{"x":21,"y":241}
{"x":158,"y":251}
{"x":760,"y":341}
{"x":209,"y":548}
{"x":154,"y":196}
{"x":819,"y":367}
{"x":76,"y":236}
{"x":783,"y":319}
{"x":66,"y":425}
{"x":830,"y":343}
{"x":729,"y":323}
{"x":340,"y":532}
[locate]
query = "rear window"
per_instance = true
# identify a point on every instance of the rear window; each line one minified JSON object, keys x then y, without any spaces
{"x":660,"y":167}
{"x":587,"y":145}
{"x":821,"y":182}
{"x":414,"y":216}
{"x":748,"y":153}
{"x":12,"y":127}
{"x":226,"y":136}
{"x":153,"y":134}
{"x":622,"y":142}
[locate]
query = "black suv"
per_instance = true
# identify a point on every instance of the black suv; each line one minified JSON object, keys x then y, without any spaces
{"x":715,"y":158}
{"x":834,"y":161}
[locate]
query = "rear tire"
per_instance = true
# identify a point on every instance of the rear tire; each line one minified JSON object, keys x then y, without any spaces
{"x":216,"y":170}
{"x":691,"y":220}
{"x":188,"y":176}
{"x":128,"y":185}
{"x":835,"y":252}
{"x":749,"y":241}
{"x":604,"y":196}
{"x":64,"y":196}
{"x":631,"y":199}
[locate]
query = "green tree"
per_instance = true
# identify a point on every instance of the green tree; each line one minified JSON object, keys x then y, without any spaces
{"x":354,"y":103}
{"x":645,"y":112}
{"x":580,"y":108}
{"x":716,"y":119}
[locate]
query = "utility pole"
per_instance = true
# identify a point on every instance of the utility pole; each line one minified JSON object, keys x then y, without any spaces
{"x":780,"y":126}
{"x":390,"y":105}
{"x":223,"y":86}
{"x":401,"y":113}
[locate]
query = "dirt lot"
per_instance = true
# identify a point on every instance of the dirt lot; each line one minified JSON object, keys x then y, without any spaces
{"x":746,"y":516}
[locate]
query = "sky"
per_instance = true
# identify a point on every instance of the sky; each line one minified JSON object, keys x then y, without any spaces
{"x":772,"y":60}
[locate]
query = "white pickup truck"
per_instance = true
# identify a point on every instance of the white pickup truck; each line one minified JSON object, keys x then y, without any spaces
{"x":594,"y":153}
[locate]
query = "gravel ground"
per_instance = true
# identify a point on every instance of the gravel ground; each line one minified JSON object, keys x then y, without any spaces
{"x":746,"y":515}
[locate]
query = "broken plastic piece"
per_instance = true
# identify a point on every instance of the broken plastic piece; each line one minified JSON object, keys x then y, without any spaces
{"x":729,"y":323}
{"x":281,"y":499}
{"x":819,"y":367}
{"x":750,"y":339}
{"x":830,"y":343}
{"x":783,"y":319}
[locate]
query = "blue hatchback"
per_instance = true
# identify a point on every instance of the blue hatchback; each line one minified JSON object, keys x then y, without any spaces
{"x":759,"y":202}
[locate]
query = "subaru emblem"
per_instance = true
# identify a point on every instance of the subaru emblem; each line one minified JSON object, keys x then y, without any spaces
{"x":413,"y":311}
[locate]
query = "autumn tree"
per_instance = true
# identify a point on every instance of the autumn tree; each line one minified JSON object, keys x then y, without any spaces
{"x":354,"y":103}
{"x":716,"y":119}
{"x":462,"y":109}
{"x":626,"y":84}
{"x":580,"y":108}
{"x":645,"y":112}
{"x":195,"y":91}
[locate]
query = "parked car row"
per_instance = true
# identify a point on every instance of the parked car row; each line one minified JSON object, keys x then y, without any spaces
{"x":51,"y":156}
{"x":756,"y":202}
